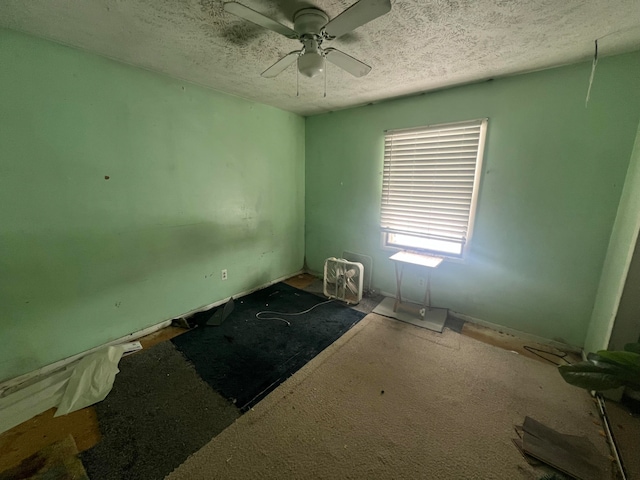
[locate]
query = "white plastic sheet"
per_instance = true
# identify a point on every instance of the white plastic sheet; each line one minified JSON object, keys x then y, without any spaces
{"x":91,"y":380}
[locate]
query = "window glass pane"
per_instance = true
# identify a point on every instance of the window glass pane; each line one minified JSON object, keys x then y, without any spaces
{"x":408,"y":241}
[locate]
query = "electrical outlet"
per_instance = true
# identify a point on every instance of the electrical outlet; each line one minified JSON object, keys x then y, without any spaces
{"x":421,"y":281}
{"x":224,"y":274}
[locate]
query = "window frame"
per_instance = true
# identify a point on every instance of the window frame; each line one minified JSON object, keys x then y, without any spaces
{"x":386,"y":245}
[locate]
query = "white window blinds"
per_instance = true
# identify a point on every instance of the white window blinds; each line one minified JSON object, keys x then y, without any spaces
{"x":430,"y":181}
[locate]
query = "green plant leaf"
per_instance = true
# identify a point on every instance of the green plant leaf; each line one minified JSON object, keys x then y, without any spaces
{"x":598,"y":360}
{"x":632,"y":347}
{"x":608,"y":363}
{"x":625,"y":359}
{"x":592,"y":377}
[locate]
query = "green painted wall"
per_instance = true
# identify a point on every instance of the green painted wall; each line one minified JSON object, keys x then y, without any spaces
{"x":552,"y":179}
{"x":198,"y":181}
{"x":616,"y":266}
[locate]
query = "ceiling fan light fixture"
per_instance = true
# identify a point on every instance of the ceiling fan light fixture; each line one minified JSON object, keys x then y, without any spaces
{"x":311,"y":64}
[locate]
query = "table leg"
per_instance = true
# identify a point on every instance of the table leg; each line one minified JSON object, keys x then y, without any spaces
{"x":427,"y":294}
{"x":399,"y":272}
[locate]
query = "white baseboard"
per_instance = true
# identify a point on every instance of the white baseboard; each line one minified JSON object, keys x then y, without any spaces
{"x":12,"y":385}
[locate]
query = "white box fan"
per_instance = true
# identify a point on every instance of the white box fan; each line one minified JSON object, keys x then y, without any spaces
{"x":343,"y":280}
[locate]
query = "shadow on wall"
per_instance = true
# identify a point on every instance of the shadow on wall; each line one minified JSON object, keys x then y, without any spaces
{"x":53,"y":270}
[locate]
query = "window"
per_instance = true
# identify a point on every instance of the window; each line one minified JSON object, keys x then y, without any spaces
{"x":430,"y":186}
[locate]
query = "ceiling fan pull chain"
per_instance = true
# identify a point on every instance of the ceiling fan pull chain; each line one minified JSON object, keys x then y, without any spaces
{"x":325,"y":77}
{"x":297,"y":79}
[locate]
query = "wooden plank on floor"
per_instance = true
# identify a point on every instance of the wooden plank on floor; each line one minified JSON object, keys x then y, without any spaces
{"x":300,"y":281}
{"x":161,"y":336}
{"x":575,"y":456}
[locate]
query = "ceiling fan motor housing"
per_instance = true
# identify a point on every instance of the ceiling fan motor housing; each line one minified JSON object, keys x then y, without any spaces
{"x":309,"y":21}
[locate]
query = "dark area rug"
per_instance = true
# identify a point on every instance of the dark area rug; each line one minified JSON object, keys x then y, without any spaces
{"x":158,"y":413}
{"x":164,"y":407}
{"x":245,"y":358}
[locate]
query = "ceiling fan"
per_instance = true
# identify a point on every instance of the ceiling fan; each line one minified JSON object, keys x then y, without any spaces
{"x":312,"y":27}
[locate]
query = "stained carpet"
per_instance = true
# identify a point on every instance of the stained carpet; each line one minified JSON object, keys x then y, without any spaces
{"x":389,"y":400}
{"x":245,"y":358}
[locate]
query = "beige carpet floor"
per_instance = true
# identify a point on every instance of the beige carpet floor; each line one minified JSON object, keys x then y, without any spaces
{"x":390,"y":400}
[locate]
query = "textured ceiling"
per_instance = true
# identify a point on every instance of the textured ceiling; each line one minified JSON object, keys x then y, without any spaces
{"x":419,"y":46}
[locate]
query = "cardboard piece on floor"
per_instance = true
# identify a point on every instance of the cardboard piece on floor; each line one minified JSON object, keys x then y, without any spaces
{"x":573,"y":455}
{"x":408,"y":312}
{"x":221,"y":314}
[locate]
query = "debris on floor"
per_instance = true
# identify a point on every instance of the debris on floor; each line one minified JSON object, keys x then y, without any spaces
{"x":181,"y":322}
{"x":131,"y":347}
{"x":200,"y":319}
{"x":572,"y":455}
{"x":221,"y":314}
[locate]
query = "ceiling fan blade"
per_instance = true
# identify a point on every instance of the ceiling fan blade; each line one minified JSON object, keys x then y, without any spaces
{"x":357,"y":15}
{"x":255,"y":17}
{"x":346,"y":62}
{"x":281,"y":65}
